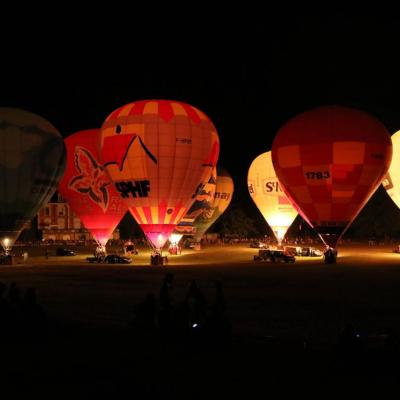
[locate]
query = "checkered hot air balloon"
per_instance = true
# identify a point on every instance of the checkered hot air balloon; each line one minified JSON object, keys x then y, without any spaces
{"x":330,"y":161}
{"x":159,"y":154}
{"x":88,"y":189}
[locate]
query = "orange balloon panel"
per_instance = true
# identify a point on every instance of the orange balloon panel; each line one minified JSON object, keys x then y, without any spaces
{"x":159,"y":153}
{"x":330,"y":161}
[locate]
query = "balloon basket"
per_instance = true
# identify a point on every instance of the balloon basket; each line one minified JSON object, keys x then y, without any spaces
{"x":158,"y":259}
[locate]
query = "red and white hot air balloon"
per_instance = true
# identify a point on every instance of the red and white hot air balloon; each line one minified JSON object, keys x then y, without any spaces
{"x":158,"y":153}
{"x":87,"y":188}
{"x":330,"y":161}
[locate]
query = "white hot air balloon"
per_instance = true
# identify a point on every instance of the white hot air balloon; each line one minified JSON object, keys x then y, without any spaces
{"x":268,"y":196}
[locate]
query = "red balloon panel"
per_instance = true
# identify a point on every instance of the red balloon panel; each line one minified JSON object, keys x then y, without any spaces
{"x":87,"y":188}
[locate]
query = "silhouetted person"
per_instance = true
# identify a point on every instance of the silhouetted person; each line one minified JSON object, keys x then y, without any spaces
{"x":392,"y":340}
{"x":196,"y":305}
{"x":350,"y":343}
{"x":219,"y":301}
{"x":144,"y":314}
{"x":14,"y":295}
{"x":3,"y":288}
{"x":165,"y":314}
{"x":6,"y":314}
{"x":166,"y":291}
{"x":330,"y":256}
{"x":34,"y":319}
{"x":218,"y":324}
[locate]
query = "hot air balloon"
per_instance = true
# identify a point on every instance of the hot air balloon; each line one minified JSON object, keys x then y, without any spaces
{"x":32,"y":161}
{"x":330,"y":161}
{"x":159,"y":154}
{"x":87,"y":188}
{"x":220,"y":202}
{"x":268,"y":196}
{"x":391,"y":181}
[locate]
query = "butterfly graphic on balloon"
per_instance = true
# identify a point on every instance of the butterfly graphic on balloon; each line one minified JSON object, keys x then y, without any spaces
{"x":92,"y":179}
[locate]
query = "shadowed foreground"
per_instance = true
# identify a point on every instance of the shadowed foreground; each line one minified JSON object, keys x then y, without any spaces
{"x":285,"y":319}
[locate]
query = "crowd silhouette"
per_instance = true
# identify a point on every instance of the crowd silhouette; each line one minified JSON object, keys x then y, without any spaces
{"x":191,"y":321}
{"x":171,"y":327}
{"x":21,"y":314}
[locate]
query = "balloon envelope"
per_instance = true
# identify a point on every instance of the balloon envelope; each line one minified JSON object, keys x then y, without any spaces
{"x":158,"y":153}
{"x":391,"y":181}
{"x":330,"y":161}
{"x":220,"y":202}
{"x":269,"y":197}
{"x":32,"y":161}
{"x":87,"y":188}
{"x":201,"y":206}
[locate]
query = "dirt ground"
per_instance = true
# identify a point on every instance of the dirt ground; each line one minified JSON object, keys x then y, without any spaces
{"x":277,"y":311}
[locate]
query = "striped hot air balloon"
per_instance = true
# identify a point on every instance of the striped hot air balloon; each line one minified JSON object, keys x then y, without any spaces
{"x":159,"y":154}
{"x":330,"y":161}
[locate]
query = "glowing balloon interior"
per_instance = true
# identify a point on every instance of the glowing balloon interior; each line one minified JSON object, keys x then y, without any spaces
{"x":330,"y":161}
{"x":87,"y":188}
{"x":159,"y":154}
{"x":391,"y":181}
{"x":269,"y":197}
{"x":32,"y":161}
{"x":175,"y":238}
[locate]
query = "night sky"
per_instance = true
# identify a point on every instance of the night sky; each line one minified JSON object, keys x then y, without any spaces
{"x":248,"y":74}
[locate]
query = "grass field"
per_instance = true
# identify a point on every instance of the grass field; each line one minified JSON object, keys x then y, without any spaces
{"x":273,"y":308}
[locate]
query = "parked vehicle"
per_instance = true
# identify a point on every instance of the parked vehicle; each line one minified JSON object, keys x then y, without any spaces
{"x":97,"y":259}
{"x":117,"y":259}
{"x":294,"y":250}
{"x":275,"y":256}
{"x":189,"y":244}
{"x":62,"y":251}
{"x":311,"y":252}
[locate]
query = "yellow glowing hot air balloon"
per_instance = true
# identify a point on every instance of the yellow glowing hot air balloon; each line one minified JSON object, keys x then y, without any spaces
{"x":391,"y":182}
{"x":268,"y":196}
